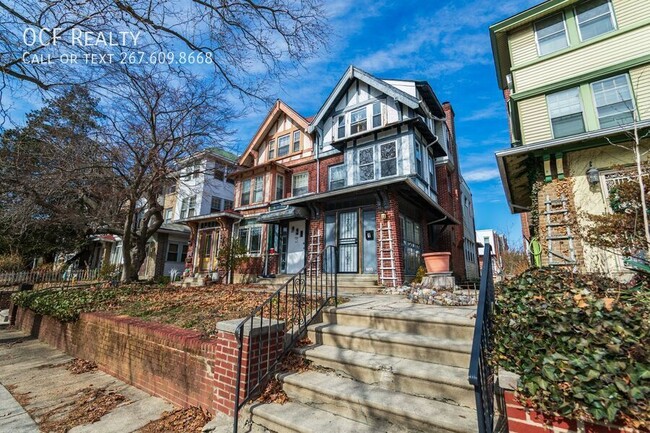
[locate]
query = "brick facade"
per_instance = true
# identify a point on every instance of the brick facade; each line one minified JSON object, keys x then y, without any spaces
{"x":176,"y":364}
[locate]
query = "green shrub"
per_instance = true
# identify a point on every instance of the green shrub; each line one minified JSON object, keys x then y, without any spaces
{"x":581,"y":344}
{"x":65,"y":304}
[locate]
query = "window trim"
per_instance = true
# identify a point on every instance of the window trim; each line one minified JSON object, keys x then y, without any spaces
{"x":288,"y":136}
{"x":582,"y":111}
{"x":293,"y":183}
{"x":566,"y":34}
{"x":612,"y":19}
{"x":374,"y":163}
{"x":255,"y":190}
{"x":279,"y":181}
{"x":629,"y":88}
{"x":244,"y":191}
{"x":329,"y":176}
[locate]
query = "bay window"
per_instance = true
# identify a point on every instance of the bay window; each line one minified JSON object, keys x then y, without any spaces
{"x":279,"y":187}
{"x":258,"y":189}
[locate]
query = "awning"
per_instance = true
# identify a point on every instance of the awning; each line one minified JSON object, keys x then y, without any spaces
{"x":286,"y":213}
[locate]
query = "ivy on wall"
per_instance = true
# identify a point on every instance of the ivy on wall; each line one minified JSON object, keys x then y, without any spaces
{"x":581,"y":344}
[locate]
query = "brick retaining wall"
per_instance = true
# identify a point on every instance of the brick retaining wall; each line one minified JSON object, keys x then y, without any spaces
{"x":523,"y":420}
{"x":175,"y":364}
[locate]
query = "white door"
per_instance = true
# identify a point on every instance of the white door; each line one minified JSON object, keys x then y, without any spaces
{"x":296,"y":247}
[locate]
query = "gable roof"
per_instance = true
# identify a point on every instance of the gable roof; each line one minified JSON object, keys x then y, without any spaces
{"x":274,"y":113}
{"x":353,"y":73}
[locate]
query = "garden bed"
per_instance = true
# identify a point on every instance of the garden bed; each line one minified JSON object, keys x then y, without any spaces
{"x":197,"y":308}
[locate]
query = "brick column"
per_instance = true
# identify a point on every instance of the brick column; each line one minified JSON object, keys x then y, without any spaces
{"x":262,"y":345}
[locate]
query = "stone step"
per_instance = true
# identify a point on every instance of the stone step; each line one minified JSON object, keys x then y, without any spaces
{"x":293,"y":417}
{"x":437,"y":350}
{"x":377,"y":407}
{"x":440,"y":322}
{"x":441,"y":382}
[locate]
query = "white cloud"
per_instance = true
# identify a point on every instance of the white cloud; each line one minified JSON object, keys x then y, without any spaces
{"x":495,"y":110}
{"x":481,"y":175}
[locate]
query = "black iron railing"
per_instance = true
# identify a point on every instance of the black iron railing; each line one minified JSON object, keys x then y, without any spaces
{"x":273,"y":328}
{"x":481,"y":374}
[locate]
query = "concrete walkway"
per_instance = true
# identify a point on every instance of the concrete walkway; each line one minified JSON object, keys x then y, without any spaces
{"x":36,"y":373}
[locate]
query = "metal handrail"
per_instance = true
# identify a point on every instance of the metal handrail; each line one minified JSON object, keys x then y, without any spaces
{"x":481,"y":373}
{"x":293,"y":306}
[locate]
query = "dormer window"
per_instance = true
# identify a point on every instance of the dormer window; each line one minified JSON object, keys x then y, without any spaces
{"x":358,"y":121}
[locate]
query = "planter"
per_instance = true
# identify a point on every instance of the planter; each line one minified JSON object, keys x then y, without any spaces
{"x":436,"y":262}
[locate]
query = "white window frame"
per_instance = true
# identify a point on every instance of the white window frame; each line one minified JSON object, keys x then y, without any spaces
{"x":304,"y":174}
{"x":288,"y":146}
{"x":566,"y":35}
{"x":271,"y":150}
{"x":248,"y":239}
{"x":582,"y":111}
{"x":296,"y":139}
{"x":364,"y":122}
{"x":611,"y":18}
{"x":258,"y":190}
{"x":245,"y":191}
{"x":169,"y":214}
{"x":373,"y":163}
{"x":337,"y":124}
{"x":331,"y":168}
{"x":629,"y":88}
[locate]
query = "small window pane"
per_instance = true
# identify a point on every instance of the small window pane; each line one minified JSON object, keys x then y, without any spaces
{"x":283,"y":146}
{"x":594,"y":18}
{"x":341,"y":127}
{"x":296,"y":141}
{"x":551,"y":34}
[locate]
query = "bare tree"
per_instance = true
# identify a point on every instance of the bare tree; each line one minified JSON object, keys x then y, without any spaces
{"x":50,"y":43}
{"x":155,"y":121}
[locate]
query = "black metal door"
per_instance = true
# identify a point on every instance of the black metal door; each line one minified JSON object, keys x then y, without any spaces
{"x":349,"y":242}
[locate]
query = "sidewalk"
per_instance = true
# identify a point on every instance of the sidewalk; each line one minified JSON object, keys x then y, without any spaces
{"x":36,"y":373}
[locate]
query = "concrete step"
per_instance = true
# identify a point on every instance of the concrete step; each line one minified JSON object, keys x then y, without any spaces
{"x":437,"y":350}
{"x":377,"y":407}
{"x":441,"y":382}
{"x":294,"y":417}
{"x":419,"y":321}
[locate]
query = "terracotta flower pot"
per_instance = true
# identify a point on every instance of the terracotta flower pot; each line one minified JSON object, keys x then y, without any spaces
{"x":436,"y":262}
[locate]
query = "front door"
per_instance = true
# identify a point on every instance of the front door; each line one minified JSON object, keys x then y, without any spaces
{"x":369,"y":242}
{"x":349,"y":242}
{"x":296,"y":246}
{"x":205,"y":251}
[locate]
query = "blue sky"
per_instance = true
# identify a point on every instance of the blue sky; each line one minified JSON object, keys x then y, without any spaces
{"x":444,"y":43}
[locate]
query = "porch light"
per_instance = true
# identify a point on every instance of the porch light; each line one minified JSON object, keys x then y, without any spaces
{"x":593,"y":176}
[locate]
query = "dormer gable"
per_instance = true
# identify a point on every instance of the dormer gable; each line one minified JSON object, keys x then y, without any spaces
{"x":282,"y":135}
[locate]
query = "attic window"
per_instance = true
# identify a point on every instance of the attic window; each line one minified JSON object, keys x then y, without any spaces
{"x":283,"y":145}
{"x":358,"y":121}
